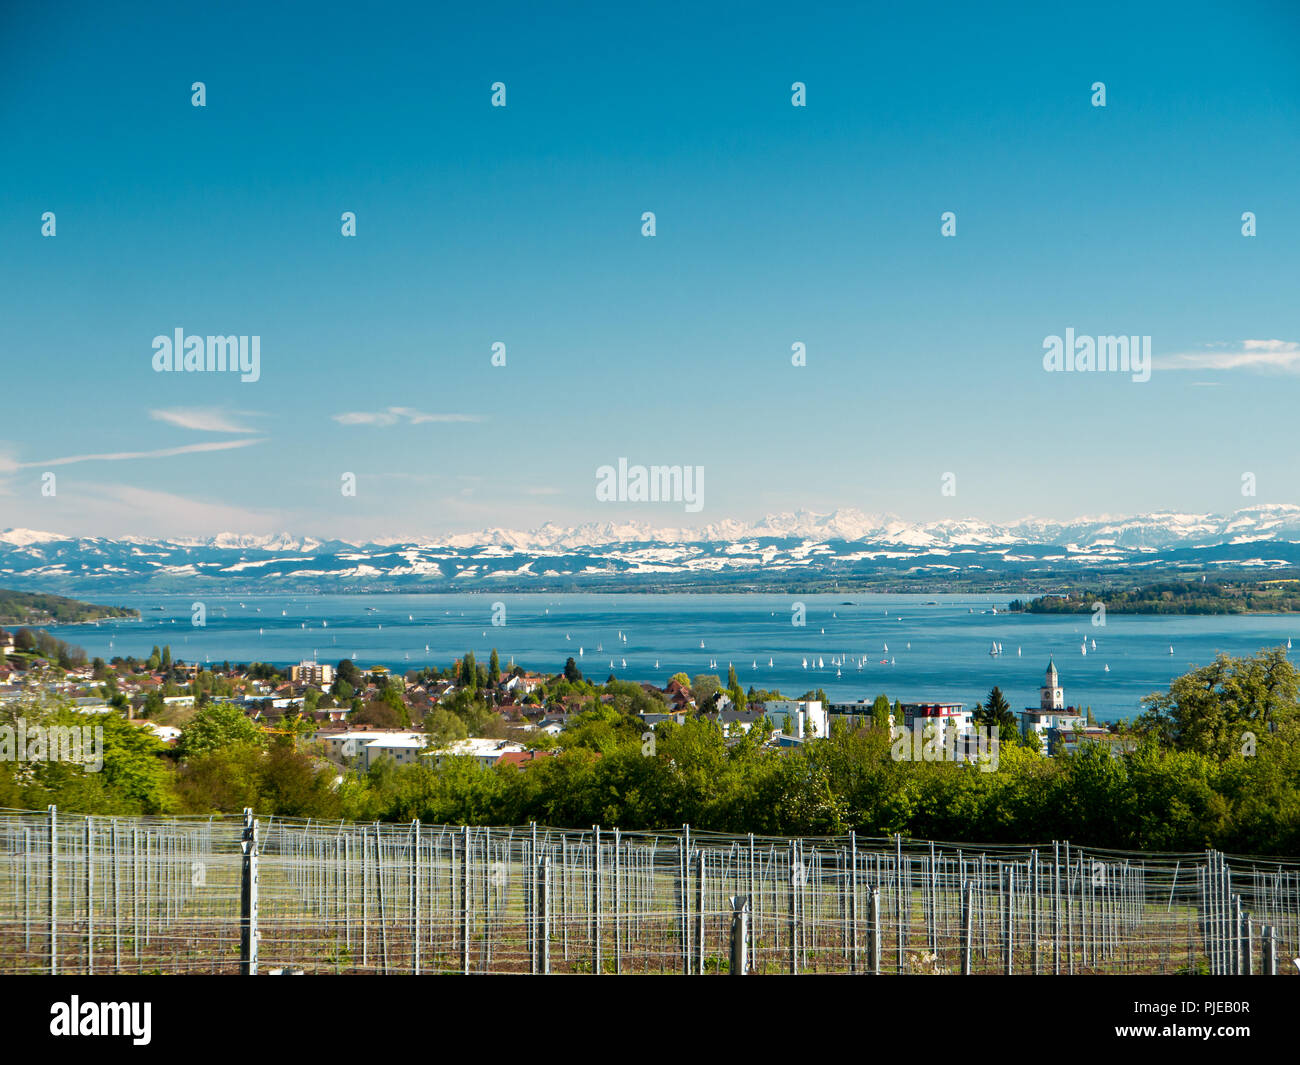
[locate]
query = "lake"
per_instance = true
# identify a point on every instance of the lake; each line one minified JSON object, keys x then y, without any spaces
{"x":938,"y":645}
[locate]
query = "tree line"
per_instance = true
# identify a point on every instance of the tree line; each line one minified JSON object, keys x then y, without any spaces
{"x":1214,"y":762}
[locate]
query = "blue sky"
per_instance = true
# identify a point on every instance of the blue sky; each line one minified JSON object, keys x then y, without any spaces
{"x":522,"y":224}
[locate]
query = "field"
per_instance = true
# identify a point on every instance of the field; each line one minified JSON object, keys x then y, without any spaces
{"x":162,"y":895}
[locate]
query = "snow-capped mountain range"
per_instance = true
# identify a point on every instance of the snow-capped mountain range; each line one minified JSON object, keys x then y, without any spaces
{"x":781,"y":548}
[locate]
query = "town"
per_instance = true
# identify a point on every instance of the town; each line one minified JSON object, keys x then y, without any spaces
{"x":357,"y":716}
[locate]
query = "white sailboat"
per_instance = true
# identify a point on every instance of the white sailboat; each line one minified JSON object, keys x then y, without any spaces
{"x":1106,"y":668}
{"x":769,"y":663}
{"x":1171,"y":648}
{"x":805,"y":661}
{"x":821,"y":664}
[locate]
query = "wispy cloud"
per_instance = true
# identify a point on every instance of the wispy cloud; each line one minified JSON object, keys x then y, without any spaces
{"x":400,"y":415}
{"x":205,"y":420}
{"x":1280,"y":356}
{"x":161,"y":453}
{"x":92,"y":507}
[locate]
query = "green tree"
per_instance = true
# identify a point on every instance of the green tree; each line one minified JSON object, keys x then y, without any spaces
{"x":704,"y":686}
{"x":1210,"y":709}
{"x":153,"y":705}
{"x":996,"y":712}
{"x":469,"y":672}
{"x":880,"y":712}
{"x":444,"y":727}
{"x":347,"y":671}
{"x":218,"y":725}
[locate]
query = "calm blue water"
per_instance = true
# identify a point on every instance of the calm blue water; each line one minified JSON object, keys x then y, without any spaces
{"x":938,"y":645}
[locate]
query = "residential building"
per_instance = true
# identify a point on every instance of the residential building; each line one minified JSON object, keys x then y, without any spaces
{"x":939,"y":716}
{"x":314,"y":673}
{"x":798,"y":718}
{"x":485,"y":751}
{"x":362,"y":747}
{"x":856,"y":715}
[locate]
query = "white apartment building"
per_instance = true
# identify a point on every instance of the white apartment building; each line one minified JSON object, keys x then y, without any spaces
{"x":792,"y":717}
{"x":483,"y":750}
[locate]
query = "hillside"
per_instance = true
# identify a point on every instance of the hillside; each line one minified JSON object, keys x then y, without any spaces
{"x":1176,"y":597}
{"x":31,"y":609}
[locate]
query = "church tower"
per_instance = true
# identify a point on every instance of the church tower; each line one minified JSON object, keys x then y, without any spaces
{"x":1051,"y":695}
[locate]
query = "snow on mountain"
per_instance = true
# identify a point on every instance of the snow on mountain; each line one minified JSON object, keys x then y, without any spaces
{"x":845,"y":543}
{"x":1264,"y":521}
{"x":1158,"y":529}
{"x":26,"y":537}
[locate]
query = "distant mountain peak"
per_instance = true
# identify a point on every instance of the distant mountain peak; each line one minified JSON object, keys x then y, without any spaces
{"x":1260,"y":522}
